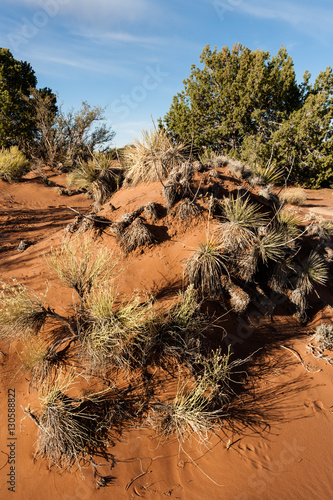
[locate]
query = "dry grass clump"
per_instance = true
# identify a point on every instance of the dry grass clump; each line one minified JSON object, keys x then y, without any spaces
{"x":151,"y":158}
{"x":112,"y":330}
{"x":188,"y":414}
{"x":239,"y":299}
{"x":13,"y":164}
{"x":41,"y":361}
{"x":70,"y":429}
{"x":95,"y":178}
{"x":178,"y":184}
{"x":199,"y":406}
{"x":136,"y":235}
{"x":214,"y":376}
{"x":295,"y":196}
{"x":205,"y":268}
{"x":137,"y":334}
{"x":80,"y":264}
{"x":22,"y":312}
{"x":188,"y":209}
{"x":324,"y":336}
{"x":172,"y":335}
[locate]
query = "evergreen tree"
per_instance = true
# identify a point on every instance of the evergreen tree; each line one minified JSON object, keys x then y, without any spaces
{"x":236,"y":94}
{"x":248,"y":104}
{"x":304,"y":141}
{"x":16,"y":118}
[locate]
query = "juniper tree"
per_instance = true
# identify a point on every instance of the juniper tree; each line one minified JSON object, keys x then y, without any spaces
{"x":237,"y":93}
{"x":248,"y":105}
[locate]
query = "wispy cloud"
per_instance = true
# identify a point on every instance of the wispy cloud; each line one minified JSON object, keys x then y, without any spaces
{"x":108,"y":11}
{"x":79,"y":63}
{"x":121,"y":37}
{"x":313,"y":19}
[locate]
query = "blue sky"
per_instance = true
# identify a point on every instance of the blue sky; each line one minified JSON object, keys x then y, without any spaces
{"x":132,"y":55}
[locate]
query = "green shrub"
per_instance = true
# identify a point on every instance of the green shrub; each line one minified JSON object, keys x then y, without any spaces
{"x":13,"y":164}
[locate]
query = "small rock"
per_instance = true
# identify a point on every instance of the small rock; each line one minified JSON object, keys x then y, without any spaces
{"x":23,"y":245}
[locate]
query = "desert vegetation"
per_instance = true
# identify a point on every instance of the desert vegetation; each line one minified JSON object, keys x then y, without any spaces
{"x":267,"y":121}
{"x":13,"y":164}
{"x":251,"y":250}
{"x":113,"y":360}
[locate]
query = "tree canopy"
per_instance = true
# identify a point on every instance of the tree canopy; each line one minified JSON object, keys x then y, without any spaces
{"x":249,"y":105}
{"x":16,"y":119}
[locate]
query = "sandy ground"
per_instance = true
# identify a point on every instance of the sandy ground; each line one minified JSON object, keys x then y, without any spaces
{"x":279,"y":444}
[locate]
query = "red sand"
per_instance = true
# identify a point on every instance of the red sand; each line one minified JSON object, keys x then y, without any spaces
{"x":286,"y":452}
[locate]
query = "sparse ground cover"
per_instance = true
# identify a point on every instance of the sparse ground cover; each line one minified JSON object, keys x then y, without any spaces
{"x":127,"y":355}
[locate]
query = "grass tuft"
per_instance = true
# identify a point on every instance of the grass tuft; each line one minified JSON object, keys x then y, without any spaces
{"x":81,"y":264}
{"x":13,"y":164}
{"x":71,"y":429}
{"x":151,"y":158}
{"x":135,"y":235}
{"x":295,"y":196}
{"x":22,"y":312}
{"x":239,"y":218}
{"x":204,"y":270}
